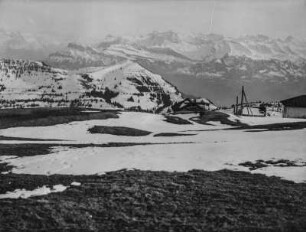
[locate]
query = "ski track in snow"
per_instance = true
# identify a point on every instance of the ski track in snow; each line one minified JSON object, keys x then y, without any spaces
{"x":208,"y":150}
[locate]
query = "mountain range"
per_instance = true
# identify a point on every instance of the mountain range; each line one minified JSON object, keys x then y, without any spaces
{"x":211,"y":66}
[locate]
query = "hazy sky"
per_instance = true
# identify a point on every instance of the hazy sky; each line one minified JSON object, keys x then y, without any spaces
{"x":85,"y":18}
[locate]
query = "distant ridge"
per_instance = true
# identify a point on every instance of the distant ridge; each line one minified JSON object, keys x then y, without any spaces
{"x":126,"y":85}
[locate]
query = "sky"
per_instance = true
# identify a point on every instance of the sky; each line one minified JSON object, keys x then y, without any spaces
{"x":87,"y":19}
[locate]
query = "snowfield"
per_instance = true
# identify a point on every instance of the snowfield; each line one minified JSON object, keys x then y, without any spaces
{"x":22,"y":193}
{"x":213,"y":147}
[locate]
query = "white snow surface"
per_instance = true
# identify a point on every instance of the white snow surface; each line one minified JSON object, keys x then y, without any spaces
{"x":23,"y":193}
{"x":213,"y":147}
{"x":75,"y":183}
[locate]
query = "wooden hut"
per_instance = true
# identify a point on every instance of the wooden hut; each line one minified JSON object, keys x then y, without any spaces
{"x":294,"y":107}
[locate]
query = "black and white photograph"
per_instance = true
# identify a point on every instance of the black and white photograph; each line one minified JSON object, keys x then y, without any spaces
{"x":153,"y":115}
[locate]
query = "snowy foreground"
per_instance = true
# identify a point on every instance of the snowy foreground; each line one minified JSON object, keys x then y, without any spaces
{"x":212,"y":147}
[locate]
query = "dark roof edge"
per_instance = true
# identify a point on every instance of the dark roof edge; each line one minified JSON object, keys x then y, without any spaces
{"x":299,"y":101}
{"x":304,"y":95}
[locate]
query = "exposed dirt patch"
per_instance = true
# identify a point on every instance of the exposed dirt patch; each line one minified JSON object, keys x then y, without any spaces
{"x":213,"y":116}
{"x":26,"y":139}
{"x":176,"y":120}
{"x":253,"y":166}
{"x":27,"y":149}
{"x":276,"y":163}
{"x":50,"y":118}
{"x":157,"y":201}
{"x":118,"y":130}
{"x":171,"y":134}
{"x":5,"y":167}
{"x":274,"y":127}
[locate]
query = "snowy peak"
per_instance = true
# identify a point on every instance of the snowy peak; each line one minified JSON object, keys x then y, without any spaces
{"x":265,"y":48}
{"x":76,"y":56}
{"x":134,"y":87}
{"x":196,"y":47}
{"x":170,"y":47}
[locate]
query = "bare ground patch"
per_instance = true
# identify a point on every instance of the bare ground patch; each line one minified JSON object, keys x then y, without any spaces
{"x":274,"y":163}
{"x":176,"y":120}
{"x":118,"y":130}
{"x":171,"y":134}
{"x":8,"y":138}
{"x":214,"y":116}
{"x":46,"y":117}
{"x":275,"y":127}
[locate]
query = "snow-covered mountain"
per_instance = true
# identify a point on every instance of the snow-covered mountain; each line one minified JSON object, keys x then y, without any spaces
{"x":125,"y":85}
{"x":247,"y":69}
{"x":76,"y":56}
{"x":200,"y":65}
{"x":210,"y":66}
{"x":132,"y":86}
{"x":170,"y":47}
{"x":156,"y":45}
{"x":208,"y":47}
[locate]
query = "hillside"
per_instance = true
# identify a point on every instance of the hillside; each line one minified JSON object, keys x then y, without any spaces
{"x":132,"y":86}
{"x":126,"y":85}
{"x":29,"y":84}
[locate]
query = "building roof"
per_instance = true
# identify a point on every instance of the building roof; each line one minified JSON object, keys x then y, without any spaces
{"x":299,"y":101}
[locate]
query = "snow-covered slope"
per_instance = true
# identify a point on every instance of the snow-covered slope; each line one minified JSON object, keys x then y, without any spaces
{"x":29,"y":84}
{"x":132,"y":86}
{"x":125,"y":85}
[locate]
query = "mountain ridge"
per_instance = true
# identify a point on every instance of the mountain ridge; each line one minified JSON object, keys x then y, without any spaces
{"x":126,"y":85}
{"x":201,"y":64}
